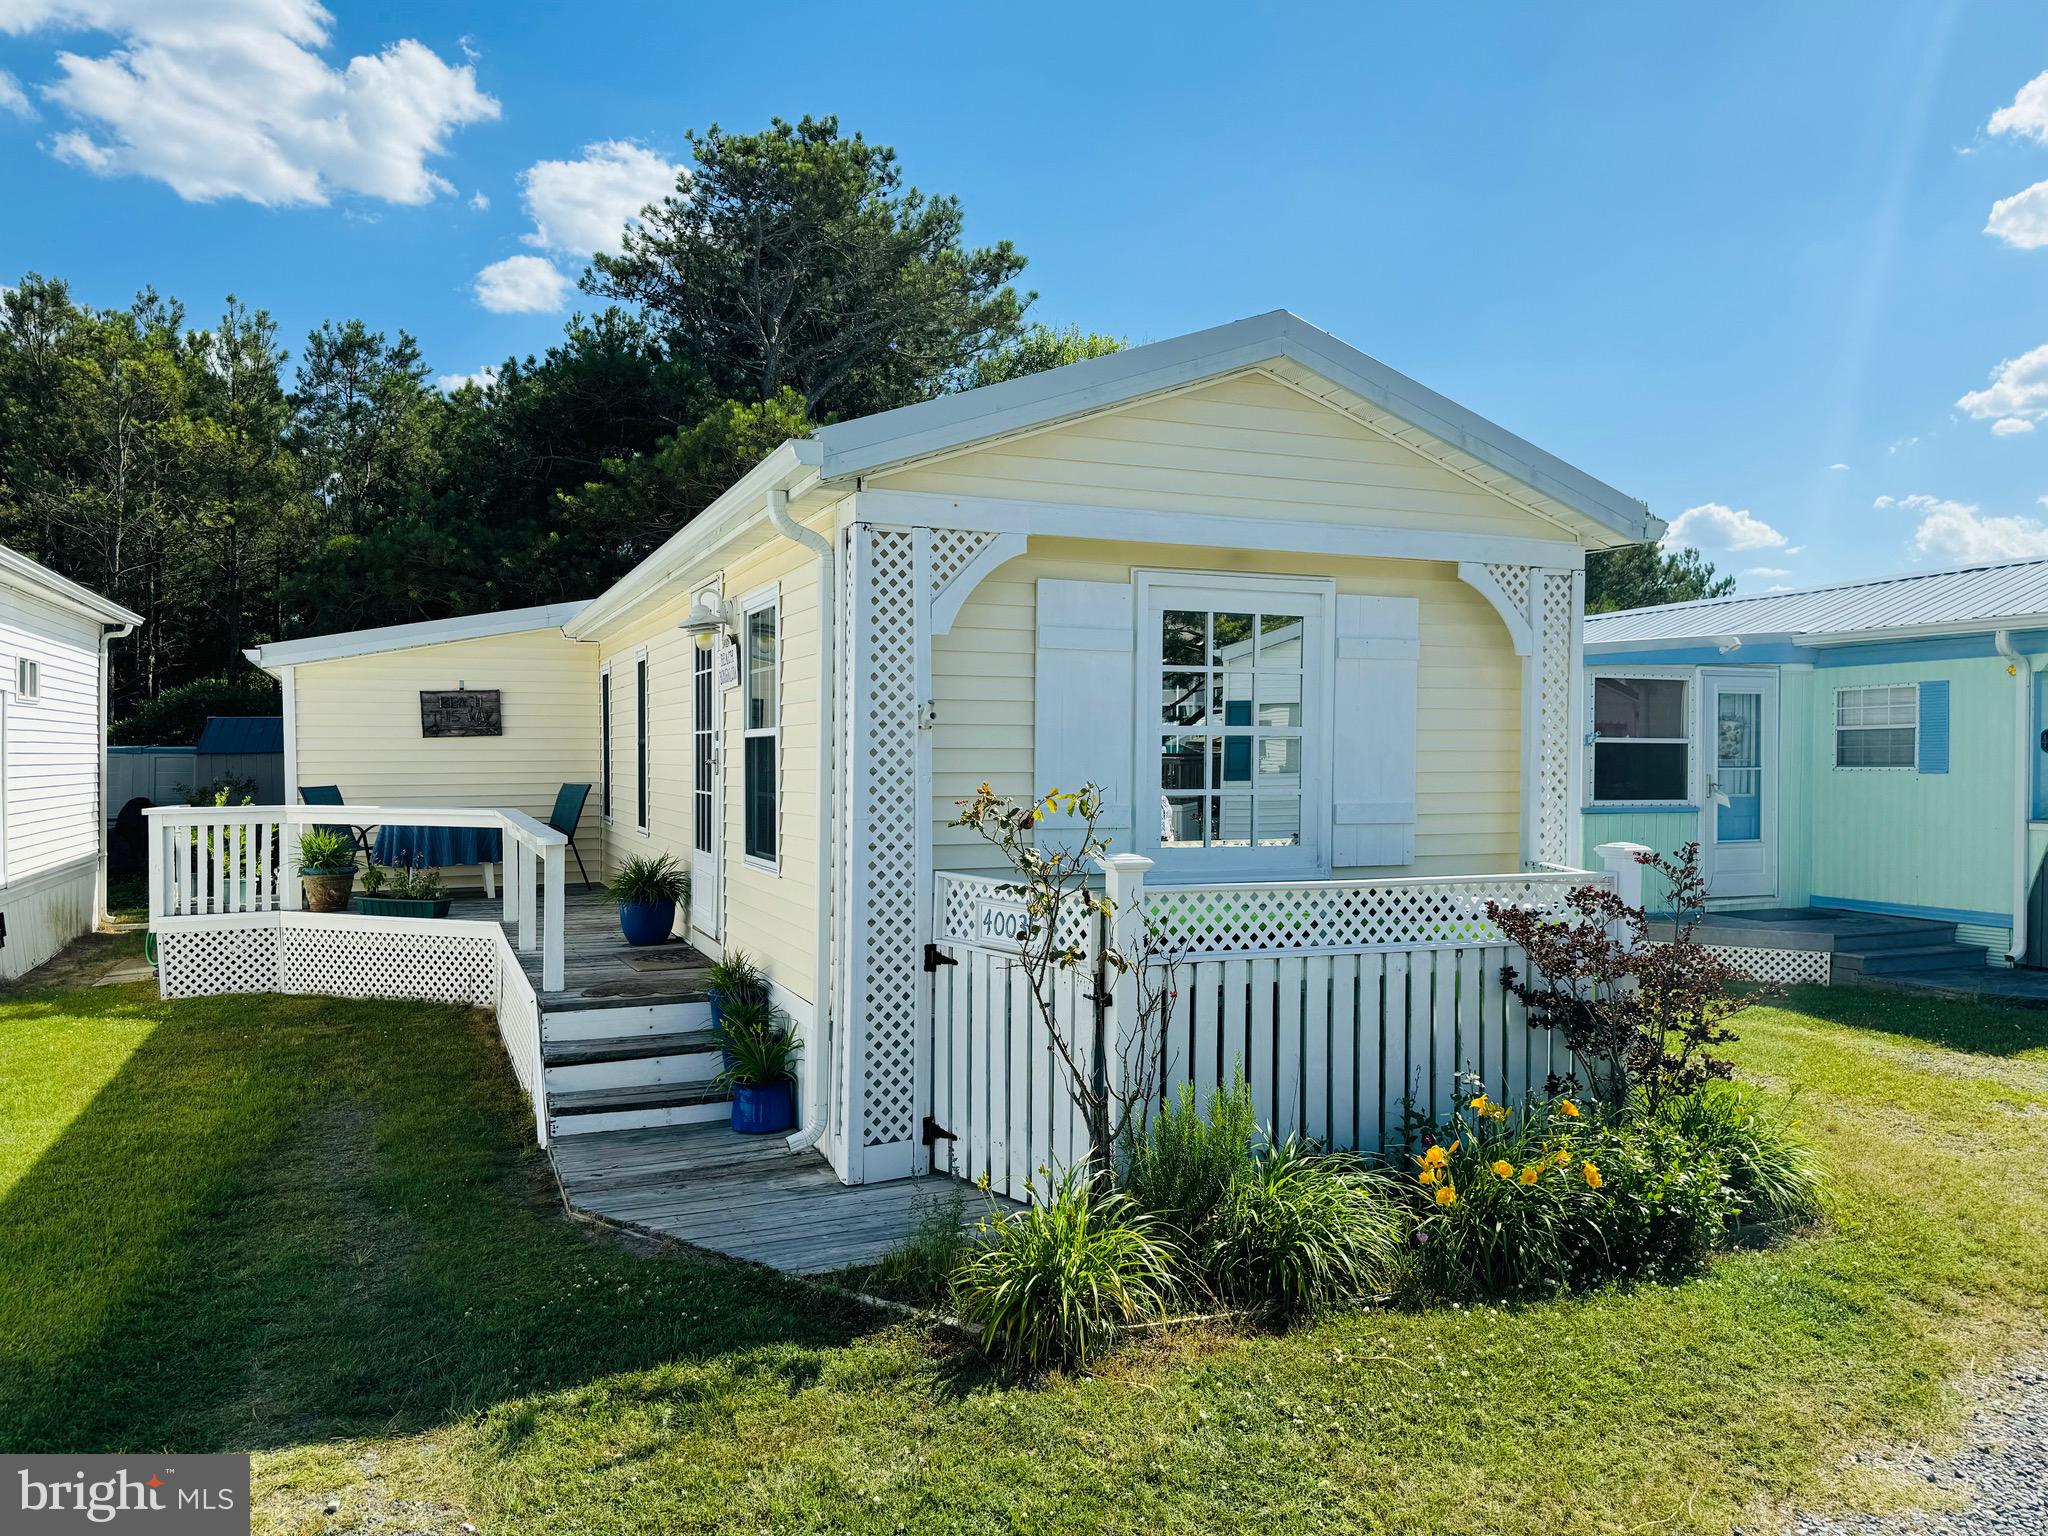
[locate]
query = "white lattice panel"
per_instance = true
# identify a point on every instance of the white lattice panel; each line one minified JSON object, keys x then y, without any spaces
{"x":961,"y":898}
{"x":210,"y":962}
{"x":1347,"y":915}
{"x":1786,"y":966}
{"x":884,"y":859}
{"x":1553,"y":719}
{"x":952,"y":551}
{"x":427,"y":967}
{"x":1513,"y":581}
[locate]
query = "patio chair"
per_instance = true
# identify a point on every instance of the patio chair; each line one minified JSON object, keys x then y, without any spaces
{"x":567,"y":813}
{"x":330,"y":794}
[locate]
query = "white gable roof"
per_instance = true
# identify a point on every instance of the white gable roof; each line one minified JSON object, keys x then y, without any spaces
{"x":1417,"y":417}
{"x":403,"y":637}
{"x":17,"y":569}
{"x":1968,"y":597}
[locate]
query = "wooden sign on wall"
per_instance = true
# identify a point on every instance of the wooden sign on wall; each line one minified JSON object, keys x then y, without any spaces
{"x":461,"y":712}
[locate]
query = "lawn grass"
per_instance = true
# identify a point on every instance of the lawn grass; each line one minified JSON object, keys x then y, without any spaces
{"x":314,"y":1230}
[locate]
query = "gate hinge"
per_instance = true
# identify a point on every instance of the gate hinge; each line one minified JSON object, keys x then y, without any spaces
{"x":934,"y":957}
{"x":934,"y":1133}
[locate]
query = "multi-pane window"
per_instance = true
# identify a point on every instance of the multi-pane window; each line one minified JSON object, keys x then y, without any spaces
{"x":704,"y":736}
{"x":28,"y":679}
{"x":761,"y":720}
{"x":1642,"y":748}
{"x":1877,"y":727}
{"x":1232,"y":728}
{"x":604,"y":737}
{"x":640,"y":743}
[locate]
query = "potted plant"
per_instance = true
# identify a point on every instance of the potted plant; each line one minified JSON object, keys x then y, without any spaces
{"x":735,"y":979}
{"x":648,"y":891}
{"x":327,"y":868}
{"x":760,"y":1053}
{"x":407,"y":891}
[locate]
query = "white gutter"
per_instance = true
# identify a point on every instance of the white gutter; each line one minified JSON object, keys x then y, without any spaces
{"x":2021,"y":672}
{"x":818,"y":1057}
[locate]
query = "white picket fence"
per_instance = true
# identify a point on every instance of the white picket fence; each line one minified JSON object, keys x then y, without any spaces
{"x":1343,"y":1003}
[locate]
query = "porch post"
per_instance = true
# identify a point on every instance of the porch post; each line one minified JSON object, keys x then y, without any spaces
{"x":552,"y":855}
{"x":1624,"y":861}
{"x":526,"y":904}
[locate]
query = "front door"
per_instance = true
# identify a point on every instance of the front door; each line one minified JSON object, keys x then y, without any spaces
{"x":1740,"y":841}
{"x":707,"y":810}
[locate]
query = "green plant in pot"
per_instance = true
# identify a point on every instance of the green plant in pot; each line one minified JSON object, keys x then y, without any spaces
{"x":735,"y":979}
{"x":760,"y":1052}
{"x":327,"y":868}
{"x":648,"y":891}
{"x":404,"y":891}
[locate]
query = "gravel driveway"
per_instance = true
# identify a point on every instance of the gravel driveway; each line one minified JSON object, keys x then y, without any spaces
{"x":1998,"y":1480}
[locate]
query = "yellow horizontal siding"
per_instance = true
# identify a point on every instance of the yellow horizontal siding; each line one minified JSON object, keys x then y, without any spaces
{"x":1468,"y":751}
{"x":1248,"y":446}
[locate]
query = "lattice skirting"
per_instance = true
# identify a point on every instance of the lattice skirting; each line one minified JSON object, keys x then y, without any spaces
{"x":1780,"y":965}
{"x":293,"y":954}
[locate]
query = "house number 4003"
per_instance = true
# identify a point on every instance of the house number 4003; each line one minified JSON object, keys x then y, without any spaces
{"x":1003,"y":924}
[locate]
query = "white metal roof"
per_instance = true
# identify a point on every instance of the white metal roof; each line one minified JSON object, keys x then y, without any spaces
{"x":1969,"y":597}
{"x":401,"y":637}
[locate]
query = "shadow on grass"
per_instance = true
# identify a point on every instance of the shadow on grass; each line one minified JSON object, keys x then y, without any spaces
{"x":1956,"y":1024}
{"x":287,"y":1219}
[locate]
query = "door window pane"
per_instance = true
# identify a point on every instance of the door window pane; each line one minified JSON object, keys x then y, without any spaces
{"x":1234,"y":638}
{"x":1184,"y":638}
{"x":1184,"y":698}
{"x":1279,"y":821}
{"x":1180,"y":762}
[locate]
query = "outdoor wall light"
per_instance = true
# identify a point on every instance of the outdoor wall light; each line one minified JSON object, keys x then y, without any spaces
{"x":708,"y":620}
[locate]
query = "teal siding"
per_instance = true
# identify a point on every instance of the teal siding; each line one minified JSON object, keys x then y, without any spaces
{"x":1904,"y":836}
{"x":1665,"y":832}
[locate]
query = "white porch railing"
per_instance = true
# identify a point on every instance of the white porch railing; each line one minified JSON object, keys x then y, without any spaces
{"x":1345,"y":1003}
{"x":218,"y":861}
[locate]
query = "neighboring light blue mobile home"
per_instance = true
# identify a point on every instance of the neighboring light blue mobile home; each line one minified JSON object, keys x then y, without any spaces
{"x":1876,"y":747}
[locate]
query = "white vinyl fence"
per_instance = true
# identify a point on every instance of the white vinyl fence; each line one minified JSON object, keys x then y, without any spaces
{"x":1343,"y":1003}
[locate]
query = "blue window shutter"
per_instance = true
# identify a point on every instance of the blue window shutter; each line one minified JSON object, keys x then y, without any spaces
{"x":1934,"y":727}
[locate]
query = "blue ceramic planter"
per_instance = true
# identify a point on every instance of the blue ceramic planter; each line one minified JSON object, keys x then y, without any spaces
{"x":646,"y":922}
{"x":761,"y":1109}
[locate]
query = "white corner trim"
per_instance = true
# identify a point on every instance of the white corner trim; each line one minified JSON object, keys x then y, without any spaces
{"x":1479,"y":577}
{"x":946,"y":605}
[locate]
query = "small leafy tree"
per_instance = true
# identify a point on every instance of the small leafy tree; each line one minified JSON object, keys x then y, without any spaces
{"x":1112,"y":1074}
{"x":1640,"y":1018}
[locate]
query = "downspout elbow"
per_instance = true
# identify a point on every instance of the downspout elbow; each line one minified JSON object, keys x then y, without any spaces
{"x":2022,"y":797}
{"x":791,"y":529}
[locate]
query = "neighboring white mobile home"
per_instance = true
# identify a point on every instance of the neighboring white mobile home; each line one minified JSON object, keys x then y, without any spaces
{"x":53,"y":735}
{"x":1314,"y":628}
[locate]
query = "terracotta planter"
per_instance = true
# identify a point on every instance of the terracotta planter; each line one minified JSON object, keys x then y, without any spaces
{"x":327,"y":892}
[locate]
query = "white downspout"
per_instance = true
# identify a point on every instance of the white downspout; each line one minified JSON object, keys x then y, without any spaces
{"x":818,"y":1056}
{"x":2022,"y":794}
{"x":108,"y":634}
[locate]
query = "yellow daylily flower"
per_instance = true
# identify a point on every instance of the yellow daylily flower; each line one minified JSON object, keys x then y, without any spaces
{"x":1593,"y":1179}
{"x":1531,"y":1174}
{"x":1503,"y":1168}
{"x":1563,"y":1157}
{"x":1448,"y":1195}
{"x":1429,"y":1175}
{"x":1433,"y":1157}
{"x":1568,"y":1109}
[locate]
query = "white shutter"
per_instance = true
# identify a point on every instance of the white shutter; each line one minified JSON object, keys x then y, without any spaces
{"x":1082,"y":727}
{"x":1374,"y":757}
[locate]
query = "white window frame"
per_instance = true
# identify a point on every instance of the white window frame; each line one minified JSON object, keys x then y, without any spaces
{"x":1912,"y":762}
{"x":1229,"y":591}
{"x":1690,"y":678}
{"x":769,"y":599}
{"x":643,"y":743}
{"x":607,"y":738}
{"x":28,"y":679}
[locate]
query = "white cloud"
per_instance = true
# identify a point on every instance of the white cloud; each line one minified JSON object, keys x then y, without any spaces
{"x":1838,"y":466}
{"x":231,"y":98}
{"x":2018,"y":391}
{"x":13,"y":98}
{"x":1958,"y":531}
{"x":2028,"y":114}
{"x":582,"y":206}
{"x":521,"y":285}
{"x":2022,"y":219}
{"x":1714,"y":526}
{"x":1766,"y":570}
{"x":479,"y":201}
{"x":483,"y":378}
{"x":2011,"y":426}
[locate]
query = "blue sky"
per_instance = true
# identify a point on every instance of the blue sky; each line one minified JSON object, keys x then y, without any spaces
{"x":1706,"y":254}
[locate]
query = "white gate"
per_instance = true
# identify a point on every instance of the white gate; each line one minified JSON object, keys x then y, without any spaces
{"x":1360,"y":1001}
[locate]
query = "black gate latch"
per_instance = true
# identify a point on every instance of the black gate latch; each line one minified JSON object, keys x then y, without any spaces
{"x":934,"y":1133}
{"x":934,"y":957}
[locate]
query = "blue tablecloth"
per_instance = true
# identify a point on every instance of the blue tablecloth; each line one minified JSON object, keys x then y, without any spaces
{"x":436,"y":847}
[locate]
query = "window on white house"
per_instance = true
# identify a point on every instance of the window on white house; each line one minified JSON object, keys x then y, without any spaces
{"x":1642,"y":746}
{"x":1877,"y":727}
{"x":640,"y":759}
{"x":28,"y":679}
{"x":604,"y":756}
{"x":1235,"y":721}
{"x":761,"y":719}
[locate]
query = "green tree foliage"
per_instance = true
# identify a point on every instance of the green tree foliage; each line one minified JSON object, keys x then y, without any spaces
{"x":1039,"y":347}
{"x":1647,"y":575}
{"x":175,"y":717}
{"x":794,"y":258}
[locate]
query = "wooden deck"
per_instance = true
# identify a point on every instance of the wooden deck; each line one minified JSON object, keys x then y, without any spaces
{"x":599,"y":968}
{"x":747,"y":1197}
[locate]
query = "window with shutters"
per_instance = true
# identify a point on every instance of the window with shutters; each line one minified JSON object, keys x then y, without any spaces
{"x":1234,"y":725}
{"x":1877,"y":727}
